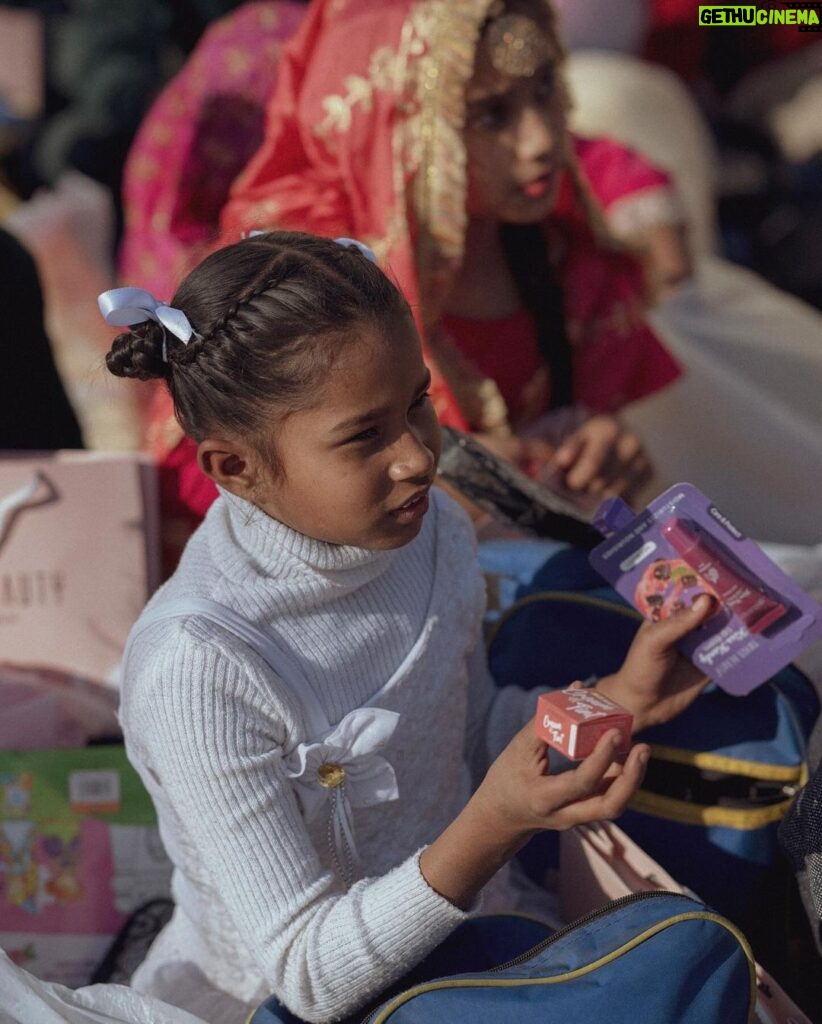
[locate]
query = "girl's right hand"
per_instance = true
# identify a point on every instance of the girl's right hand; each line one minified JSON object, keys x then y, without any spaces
{"x":517,"y":799}
{"x":521,"y":798}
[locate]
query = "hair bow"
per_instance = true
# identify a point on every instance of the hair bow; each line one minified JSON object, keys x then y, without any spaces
{"x":353,"y":243}
{"x":124,"y":307}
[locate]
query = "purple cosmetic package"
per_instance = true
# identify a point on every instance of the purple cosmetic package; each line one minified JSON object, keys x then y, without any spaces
{"x":682,"y":546}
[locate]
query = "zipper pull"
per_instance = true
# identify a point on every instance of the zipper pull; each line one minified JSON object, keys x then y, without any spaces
{"x":765,"y":792}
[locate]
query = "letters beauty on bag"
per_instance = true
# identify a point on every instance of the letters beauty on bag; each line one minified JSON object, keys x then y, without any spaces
{"x":78,"y":557}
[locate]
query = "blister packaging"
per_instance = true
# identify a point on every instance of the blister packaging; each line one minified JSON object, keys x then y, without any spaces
{"x":682,"y":546}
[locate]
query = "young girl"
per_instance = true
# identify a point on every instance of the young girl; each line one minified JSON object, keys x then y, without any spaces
{"x":315,"y":794}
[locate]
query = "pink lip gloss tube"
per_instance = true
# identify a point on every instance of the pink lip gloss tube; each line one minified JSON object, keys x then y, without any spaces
{"x":756,"y":609}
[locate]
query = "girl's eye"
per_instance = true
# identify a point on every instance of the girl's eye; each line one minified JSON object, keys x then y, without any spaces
{"x":489,"y":116}
{"x":364,"y":435}
{"x":544,"y":88}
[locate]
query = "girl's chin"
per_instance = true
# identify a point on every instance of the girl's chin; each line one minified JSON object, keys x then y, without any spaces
{"x":401,"y":534}
{"x":527,"y":210}
{"x":516,"y":209}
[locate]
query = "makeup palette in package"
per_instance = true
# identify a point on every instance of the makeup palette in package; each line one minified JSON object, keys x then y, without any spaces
{"x":682,"y":546}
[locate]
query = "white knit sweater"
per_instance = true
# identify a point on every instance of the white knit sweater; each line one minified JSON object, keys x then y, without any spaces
{"x":261,"y":907}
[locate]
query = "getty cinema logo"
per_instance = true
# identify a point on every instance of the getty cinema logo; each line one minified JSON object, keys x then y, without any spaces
{"x":807,"y":17}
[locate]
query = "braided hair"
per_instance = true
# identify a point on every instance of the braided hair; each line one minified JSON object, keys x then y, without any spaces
{"x":269,"y":315}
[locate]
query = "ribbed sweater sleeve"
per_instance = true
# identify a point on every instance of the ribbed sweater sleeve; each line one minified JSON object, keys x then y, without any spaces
{"x":213,"y":751}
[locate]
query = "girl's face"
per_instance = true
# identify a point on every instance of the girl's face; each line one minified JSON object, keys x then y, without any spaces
{"x":356,"y":467}
{"x":516,"y":142}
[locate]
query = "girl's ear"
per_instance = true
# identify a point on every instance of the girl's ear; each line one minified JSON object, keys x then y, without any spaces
{"x":230,"y":464}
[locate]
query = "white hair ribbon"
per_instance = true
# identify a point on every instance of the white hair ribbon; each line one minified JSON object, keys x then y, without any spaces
{"x":124,"y":307}
{"x":353,"y":243}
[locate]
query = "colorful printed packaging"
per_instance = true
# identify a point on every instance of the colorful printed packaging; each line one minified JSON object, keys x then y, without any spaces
{"x":571,"y":721}
{"x":682,"y":546}
{"x":79,"y":850}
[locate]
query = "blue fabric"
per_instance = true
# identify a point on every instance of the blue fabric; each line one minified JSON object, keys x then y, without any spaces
{"x":769,"y":726}
{"x":518,"y":566}
{"x":693,"y":972}
{"x":648,"y":958}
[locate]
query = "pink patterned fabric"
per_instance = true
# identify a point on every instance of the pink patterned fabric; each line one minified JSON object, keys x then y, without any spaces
{"x":614,"y":171}
{"x":199,"y":134}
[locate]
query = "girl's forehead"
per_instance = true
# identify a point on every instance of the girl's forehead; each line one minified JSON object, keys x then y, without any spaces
{"x":374,"y":369}
{"x":488,"y":82}
{"x":370,"y":342}
{"x":513,"y":48}
{"x":515,"y":44}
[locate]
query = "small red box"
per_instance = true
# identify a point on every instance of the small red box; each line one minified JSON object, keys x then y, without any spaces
{"x":573,"y":720}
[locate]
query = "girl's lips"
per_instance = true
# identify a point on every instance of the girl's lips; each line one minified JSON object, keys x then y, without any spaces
{"x":539,"y":187}
{"x":412,"y":510}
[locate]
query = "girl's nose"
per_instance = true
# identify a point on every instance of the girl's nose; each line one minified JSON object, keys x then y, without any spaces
{"x":534,"y":139}
{"x":412,"y":458}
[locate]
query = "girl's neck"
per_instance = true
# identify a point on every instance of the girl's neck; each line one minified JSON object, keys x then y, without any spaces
{"x":485,"y":288}
{"x":277,"y":548}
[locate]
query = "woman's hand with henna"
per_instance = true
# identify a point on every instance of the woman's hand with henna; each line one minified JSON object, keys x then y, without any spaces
{"x":601,"y":458}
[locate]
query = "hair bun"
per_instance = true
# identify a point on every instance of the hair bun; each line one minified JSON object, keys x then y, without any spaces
{"x":138,"y":354}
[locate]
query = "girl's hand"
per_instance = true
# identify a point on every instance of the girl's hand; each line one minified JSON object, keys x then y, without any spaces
{"x":516,"y":800}
{"x":656,"y":682}
{"x":600,"y":458}
{"x":519,"y":798}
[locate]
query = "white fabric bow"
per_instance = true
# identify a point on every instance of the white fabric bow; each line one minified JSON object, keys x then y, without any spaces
{"x":124,"y":307}
{"x":368,"y":778}
{"x":346,"y":243}
{"x":354,"y":243}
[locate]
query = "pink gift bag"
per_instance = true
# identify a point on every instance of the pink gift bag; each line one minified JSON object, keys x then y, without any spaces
{"x":78,"y":557}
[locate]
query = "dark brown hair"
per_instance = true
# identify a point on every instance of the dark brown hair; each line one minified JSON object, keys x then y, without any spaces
{"x":269,"y":315}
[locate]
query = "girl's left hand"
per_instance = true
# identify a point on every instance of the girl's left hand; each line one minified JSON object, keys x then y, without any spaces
{"x":601,"y":458}
{"x":655,"y":682}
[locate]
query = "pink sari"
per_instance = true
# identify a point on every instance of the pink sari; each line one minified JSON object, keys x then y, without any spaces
{"x":200,"y":133}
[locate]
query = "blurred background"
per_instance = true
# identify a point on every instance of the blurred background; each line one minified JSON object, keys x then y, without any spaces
{"x":78,"y":77}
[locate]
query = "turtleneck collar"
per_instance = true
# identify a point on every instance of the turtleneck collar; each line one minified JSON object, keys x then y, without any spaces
{"x":271,"y":548}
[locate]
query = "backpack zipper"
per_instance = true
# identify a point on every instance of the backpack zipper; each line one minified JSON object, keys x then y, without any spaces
{"x":591,"y":916}
{"x":708,"y":779}
{"x":709,"y":789}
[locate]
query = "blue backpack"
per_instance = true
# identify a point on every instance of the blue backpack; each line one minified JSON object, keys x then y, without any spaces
{"x":658,"y":957}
